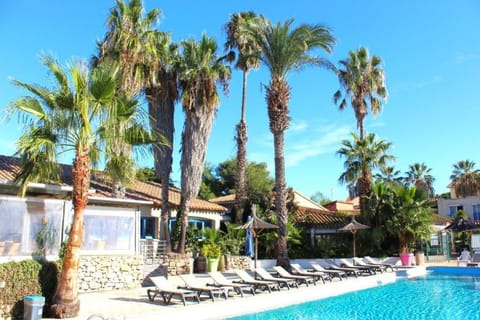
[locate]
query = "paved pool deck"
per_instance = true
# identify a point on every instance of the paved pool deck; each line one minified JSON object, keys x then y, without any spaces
{"x":134,"y":303}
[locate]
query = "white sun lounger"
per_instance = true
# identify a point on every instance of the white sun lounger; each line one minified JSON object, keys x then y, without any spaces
{"x":164,"y":288}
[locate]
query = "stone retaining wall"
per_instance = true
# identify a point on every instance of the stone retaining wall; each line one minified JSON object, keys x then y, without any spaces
{"x":97,"y":273}
{"x":238,"y":262}
{"x":179,"y":264}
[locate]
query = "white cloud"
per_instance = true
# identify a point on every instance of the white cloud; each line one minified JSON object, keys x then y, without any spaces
{"x":462,"y":57}
{"x":303,"y":140}
{"x":326,"y":139}
{"x":298,"y":126}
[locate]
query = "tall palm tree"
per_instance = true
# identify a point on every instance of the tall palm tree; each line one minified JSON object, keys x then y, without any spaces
{"x":363,"y":80}
{"x":285,"y":49}
{"x":59,"y":119}
{"x":248,"y":58}
{"x":362,"y":156}
{"x":128,"y":39}
{"x":161,"y":90}
{"x":418,"y":175}
{"x":200,"y":70}
{"x":465,"y":178}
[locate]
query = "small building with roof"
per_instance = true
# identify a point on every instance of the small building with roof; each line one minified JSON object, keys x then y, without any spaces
{"x":318,"y":220}
{"x":112,"y":226}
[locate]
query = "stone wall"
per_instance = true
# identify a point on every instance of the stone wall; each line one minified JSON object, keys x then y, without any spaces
{"x":239,"y":262}
{"x":97,"y":273}
{"x":179,"y":264}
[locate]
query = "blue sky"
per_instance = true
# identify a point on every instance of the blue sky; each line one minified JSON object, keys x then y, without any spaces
{"x":430,"y":50}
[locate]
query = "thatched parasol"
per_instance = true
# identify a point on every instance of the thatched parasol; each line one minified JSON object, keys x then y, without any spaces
{"x":352,"y":227}
{"x":255,"y":225}
{"x":463,"y":225}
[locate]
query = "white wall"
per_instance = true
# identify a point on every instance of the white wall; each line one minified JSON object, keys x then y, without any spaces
{"x":467,"y":203}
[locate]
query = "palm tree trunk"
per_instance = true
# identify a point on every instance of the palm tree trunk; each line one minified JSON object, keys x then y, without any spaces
{"x":182,"y":223}
{"x":280,"y":200}
{"x":161,"y":112}
{"x":198,"y":125}
{"x":360,"y":113}
{"x":66,"y":303}
{"x":365,"y":190}
{"x":241,"y":181}
{"x":241,"y":188}
{"x":278,"y":96}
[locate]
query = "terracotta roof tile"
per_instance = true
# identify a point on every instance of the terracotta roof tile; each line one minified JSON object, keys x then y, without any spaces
{"x":441,"y":220}
{"x":147,"y":191}
{"x":325,"y":219}
{"x":228,"y":199}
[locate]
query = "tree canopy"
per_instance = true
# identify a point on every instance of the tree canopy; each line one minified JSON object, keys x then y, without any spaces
{"x":220,"y":180}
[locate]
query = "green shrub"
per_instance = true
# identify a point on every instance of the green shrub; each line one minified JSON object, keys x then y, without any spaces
{"x":28,"y":277}
{"x":211,"y":250}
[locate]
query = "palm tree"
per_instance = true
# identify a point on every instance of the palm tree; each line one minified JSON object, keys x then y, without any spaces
{"x":388,"y":175}
{"x":248,"y":58}
{"x":200,"y":70}
{"x":60,"y":119}
{"x":465,"y":179}
{"x":128,"y":39}
{"x":379,"y":210}
{"x":418,"y":175}
{"x":411,"y":217}
{"x":364,"y":83}
{"x":285,"y":49}
{"x":162,"y":93}
{"x":361,"y":157}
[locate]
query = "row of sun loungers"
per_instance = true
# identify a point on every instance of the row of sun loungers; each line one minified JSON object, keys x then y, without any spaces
{"x":222,"y":287}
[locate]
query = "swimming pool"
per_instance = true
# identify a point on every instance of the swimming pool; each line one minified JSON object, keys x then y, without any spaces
{"x":434,"y":296}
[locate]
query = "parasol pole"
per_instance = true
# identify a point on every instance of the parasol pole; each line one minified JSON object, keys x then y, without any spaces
{"x":256,"y":249}
{"x":354,"y":231}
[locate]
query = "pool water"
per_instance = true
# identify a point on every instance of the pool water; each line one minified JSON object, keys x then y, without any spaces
{"x":433,"y":296}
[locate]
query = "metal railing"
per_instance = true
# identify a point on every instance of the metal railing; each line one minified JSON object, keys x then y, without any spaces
{"x":154,"y":251}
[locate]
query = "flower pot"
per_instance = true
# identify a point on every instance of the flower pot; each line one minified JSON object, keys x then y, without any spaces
{"x":419,"y":258}
{"x":406,"y":259}
{"x":212,"y":264}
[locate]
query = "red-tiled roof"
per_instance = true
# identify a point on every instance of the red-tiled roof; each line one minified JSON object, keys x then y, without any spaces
{"x":323,"y":219}
{"x":347,"y":207}
{"x":224,"y":200}
{"x":314,"y":214}
{"x":149,"y":191}
{"x":441,"y":220}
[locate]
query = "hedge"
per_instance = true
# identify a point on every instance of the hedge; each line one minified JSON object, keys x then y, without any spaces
{"x":28,"y":277}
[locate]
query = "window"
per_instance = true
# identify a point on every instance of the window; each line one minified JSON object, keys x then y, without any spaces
{"x":434,"y":240}
{"x":476,"y":213}
{"x":30,"y":226}
{"x":199,"y":224}
{"x":452,"y":210}
{"x":109,"y":229}
{"x":147,"y":227}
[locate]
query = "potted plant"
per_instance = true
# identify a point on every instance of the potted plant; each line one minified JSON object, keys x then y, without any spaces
{"x":212,"y":252}
{"x":411,"y":219}
{"x":232,"y":242}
